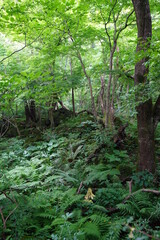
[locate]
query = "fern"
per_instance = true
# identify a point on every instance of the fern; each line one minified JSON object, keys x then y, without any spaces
{"x":129,"y":208}
{"x":115,"y":230}
{"x":137,"y":206}
{"x":102,"y":222}
{"x":91,"y":231}
{"x":99,"y":173}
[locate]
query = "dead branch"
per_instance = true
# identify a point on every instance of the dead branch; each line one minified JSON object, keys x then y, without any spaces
{"x":4,"y":220}
{"x":141,"y":190}
{"x":13,"y":124}
{"x":6,"y":130}
{"x":115,"y":210}
{"x":130,"y":186}
{"x":143,"y":232}
{"x":83,"y":111}
{"x":62,"y":105}
{"x":79,"y":189}
{"x":11,"y":212}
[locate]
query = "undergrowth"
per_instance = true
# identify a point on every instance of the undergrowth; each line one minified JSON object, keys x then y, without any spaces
{"x":49,"y":190}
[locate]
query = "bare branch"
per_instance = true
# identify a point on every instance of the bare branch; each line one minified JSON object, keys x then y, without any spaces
{"x":6,"y":126}
{"x":3,"y":219}
{"x":142,"y":190}
{"x":5,"y":194}
{"x":116,"y":209}
{"x":79,"y":189}
{"x":143,"y":232}
{"x":11,"y":213}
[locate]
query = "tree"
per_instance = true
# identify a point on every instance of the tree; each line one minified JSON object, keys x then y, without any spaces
{"x":148,"y":114}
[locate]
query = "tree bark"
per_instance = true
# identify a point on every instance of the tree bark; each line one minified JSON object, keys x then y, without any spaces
{"x":146,"y":158}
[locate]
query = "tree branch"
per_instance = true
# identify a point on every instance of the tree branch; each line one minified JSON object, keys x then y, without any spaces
{"x":109,"y":38}
{"x":106,"y":23}
{"x":125,"y":25}
{"x":142,"y":190}
{"x":26,"y":45}
{"x":116,"y":209}
{"x":79,"y":189}
{"x":109,"y":17}
{"x":143,"y":232}
{"x":3,"y":219}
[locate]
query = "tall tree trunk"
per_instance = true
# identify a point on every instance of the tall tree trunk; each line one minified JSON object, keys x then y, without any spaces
{"x":108,"y":102}
{"x":112,"y":109}
{"x":146,"y":159}
{"x":73,"y":101}
{"x":115,"y":80}
{"x":101,"y":95}
{"x":90,"y":85}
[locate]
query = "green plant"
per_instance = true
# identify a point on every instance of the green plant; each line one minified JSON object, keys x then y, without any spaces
{"x":143,"y":179}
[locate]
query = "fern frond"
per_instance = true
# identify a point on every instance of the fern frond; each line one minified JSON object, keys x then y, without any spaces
{"x":102,"y":221}
{"x":115,"y":229}
{"x":91,"y":231}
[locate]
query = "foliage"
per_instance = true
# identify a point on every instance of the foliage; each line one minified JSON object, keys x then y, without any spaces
{"x":57,"y":54}
{"x":44,"y":178}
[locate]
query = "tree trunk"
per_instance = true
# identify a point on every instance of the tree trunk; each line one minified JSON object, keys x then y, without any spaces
{"x":101,"y":95}
{"x":90,"y":86}
{"x":115,"y":80}
{"x":30,"y":111}
{"x":33,"y":111}
{"x":108,"y":102}
{"x":146,"y":159}
{"x":27,"y":112}
{"x":73,"y":101}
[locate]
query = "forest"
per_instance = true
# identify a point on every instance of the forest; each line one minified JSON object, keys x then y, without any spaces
{"x":79,"y":119}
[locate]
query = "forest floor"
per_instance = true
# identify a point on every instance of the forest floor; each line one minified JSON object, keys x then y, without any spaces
{"x":76,"y":183}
